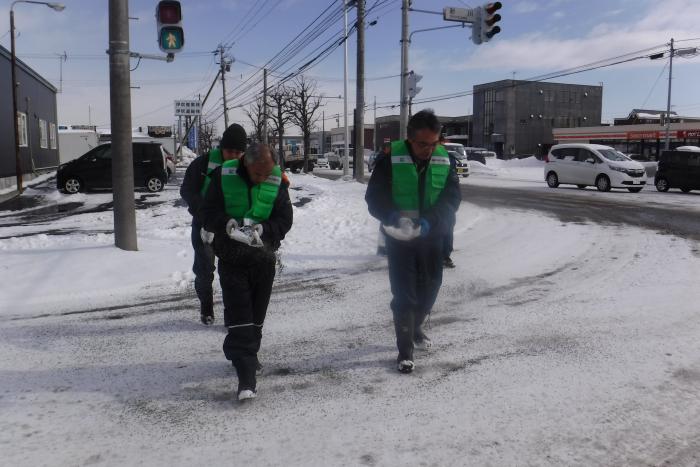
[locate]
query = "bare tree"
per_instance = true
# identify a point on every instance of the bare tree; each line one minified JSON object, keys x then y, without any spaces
{"x":256,"y":117}
{"x":206,"y":136}
{"x":303,"y":107}
{"x":278,"y":104}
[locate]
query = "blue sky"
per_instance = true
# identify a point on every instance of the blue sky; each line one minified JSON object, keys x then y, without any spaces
{"x":538,"y":37}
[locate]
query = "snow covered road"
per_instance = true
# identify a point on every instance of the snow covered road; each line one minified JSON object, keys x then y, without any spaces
{"x":555,"y":344}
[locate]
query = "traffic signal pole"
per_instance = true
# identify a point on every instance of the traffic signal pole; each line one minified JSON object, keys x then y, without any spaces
{"x":406,"y":4}
{"x":120,"y":122}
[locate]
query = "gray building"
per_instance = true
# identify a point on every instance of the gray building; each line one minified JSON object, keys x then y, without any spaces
{"x":457,"y":129}
{"x":37,"y":115}
{"x":517,"y":117}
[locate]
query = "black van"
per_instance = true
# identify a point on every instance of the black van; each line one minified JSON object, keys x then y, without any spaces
{"x":94,"y":169}
{"x":678,"y":169}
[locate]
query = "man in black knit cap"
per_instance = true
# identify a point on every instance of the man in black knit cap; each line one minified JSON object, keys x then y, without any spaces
{"x":194,"y":188}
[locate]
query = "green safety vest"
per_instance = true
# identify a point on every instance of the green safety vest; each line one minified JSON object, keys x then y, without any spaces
{"x":404,"y":178}
{"x":215,"y":160}
{"x":237,"y":201}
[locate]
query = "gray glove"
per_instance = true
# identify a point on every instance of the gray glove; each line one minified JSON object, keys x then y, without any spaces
{"x":207,"y":237}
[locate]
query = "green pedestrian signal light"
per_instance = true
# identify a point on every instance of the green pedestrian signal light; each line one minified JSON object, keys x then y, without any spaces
{"x":171,"y":36}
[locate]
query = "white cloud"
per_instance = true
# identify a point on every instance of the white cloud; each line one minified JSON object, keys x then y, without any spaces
{"x":525,"y":7}
{"x":558,"y":14}
{"x":542,"y":51}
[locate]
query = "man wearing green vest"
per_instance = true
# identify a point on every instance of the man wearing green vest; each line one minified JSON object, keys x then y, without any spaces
{"x":414,"y":193}
{"x":194,"y":187}
{"x":248,"y":209}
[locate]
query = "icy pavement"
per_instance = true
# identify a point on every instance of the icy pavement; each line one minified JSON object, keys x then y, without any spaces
{"x":554,"y":344}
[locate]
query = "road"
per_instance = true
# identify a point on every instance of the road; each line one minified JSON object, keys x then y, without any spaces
{"x":649,"y":209}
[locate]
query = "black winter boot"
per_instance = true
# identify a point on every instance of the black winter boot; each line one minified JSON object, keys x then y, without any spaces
{"x":207,"y":313}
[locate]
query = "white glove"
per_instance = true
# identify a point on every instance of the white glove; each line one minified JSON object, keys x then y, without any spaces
{"x":207,"y":237}
{"x":405,"y":232}
{"x":248,"y":235}
{"x":231,"y":225}
{"x":242,"y":236}
{"x":257,"y":234}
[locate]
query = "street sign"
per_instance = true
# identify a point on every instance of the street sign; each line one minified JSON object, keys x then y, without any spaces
{"x":187,"y":108}
{"x":462,"y":15}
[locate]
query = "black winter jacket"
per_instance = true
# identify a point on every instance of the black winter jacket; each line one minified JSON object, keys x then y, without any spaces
{"x":440,"y":216}
{"x":192,"y":186}
{"x":214,"y":219}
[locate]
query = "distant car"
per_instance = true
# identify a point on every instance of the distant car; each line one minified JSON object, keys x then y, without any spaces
{"x":462,"y":164}
{"x":678,"y":169}
{"x":592,"y":164}
{"x":94,"y":169}
{"x":688,"y":148}
{"x":322,"y":162}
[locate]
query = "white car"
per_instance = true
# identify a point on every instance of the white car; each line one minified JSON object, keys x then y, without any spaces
{"x":322,"y":162}
{"x":592,"y":165}
{"x":461,"y":163}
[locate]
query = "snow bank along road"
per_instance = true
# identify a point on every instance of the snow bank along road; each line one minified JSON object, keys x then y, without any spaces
{"x":557,"y":342}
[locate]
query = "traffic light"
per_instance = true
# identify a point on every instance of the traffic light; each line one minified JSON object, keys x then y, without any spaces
{"x":413,"y":79}
{"x":489,"y":18}
{"x":171,"y":36}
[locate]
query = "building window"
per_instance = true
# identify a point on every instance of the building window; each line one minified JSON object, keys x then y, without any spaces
{"x":43,"y":141}
{"x":52,"y":135}
{"x":22,"y":129}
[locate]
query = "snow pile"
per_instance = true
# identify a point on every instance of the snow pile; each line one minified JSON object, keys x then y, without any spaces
{"x":528,"y":169}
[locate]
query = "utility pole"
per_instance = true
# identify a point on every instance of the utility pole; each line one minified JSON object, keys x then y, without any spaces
{"x":668,"y":102}
{"x":264,"y":138}
{"x":406,"y":4}
{"x":120,"y":122}
{"x":223,"y":82}
{"x":345,"y":90}
{"x":376,"y":136}
{"x":360,"y":95}
{"x":18,"y":160}
{"x":323,"y":132}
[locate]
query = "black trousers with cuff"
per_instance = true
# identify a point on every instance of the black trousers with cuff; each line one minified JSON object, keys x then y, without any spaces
{"x":246,"y":290}
{"x":415,"y":273}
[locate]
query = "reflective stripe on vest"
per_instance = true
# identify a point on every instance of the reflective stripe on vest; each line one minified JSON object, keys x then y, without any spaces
{"x":404,"y":179}
{"x":237,"y":194}
{"x":215,"y":160}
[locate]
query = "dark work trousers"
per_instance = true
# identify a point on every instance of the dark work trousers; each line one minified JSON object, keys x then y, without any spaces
{"x":447,"y":244}
{"x":415,"y":273}
{"x":246,"y":290}
{"x":203,"y":269}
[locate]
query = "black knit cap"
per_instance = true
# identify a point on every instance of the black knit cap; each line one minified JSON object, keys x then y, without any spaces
{"x":234,"y":138}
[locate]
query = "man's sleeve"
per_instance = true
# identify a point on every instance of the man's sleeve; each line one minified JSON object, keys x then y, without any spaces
{"x":378,"y":196}
{"x":212,"y":210}
{"x":281,"y":218}
{"x":192,"y":186}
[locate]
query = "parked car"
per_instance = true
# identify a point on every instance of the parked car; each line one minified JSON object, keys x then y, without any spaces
{"x":475,"y":154}
{"x":337,"y":157}
{"x":94,"y":168}
{"x":592,"y":164}
{"x":462,"y":164}
{"x":322,"y":162}
{"x":678,"y":169}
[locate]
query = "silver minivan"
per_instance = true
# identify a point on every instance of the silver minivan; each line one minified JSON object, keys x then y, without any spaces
{"x":592,"y":165}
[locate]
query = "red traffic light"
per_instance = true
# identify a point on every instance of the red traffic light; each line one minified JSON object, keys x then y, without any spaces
{"x":490,"y":8}
{"x":492,"y":20}
{"x":169,"y":12}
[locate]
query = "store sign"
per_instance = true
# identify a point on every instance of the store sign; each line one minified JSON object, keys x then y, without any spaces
{"x":160,"y":132}
{"x":688,"y":133}
{"x":642,"y":135}
{"x":187,"y":108}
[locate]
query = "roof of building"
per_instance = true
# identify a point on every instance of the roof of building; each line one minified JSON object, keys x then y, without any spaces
{"x":27,"y":69}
